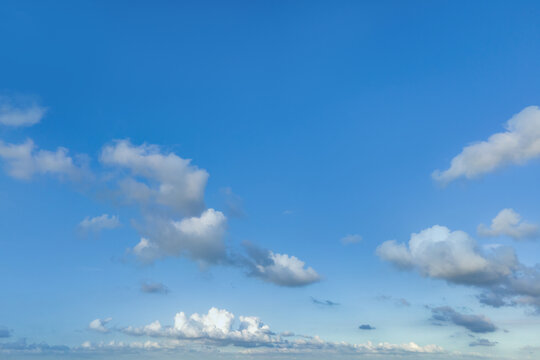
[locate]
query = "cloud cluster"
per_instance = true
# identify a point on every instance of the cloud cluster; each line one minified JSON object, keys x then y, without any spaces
{"x":454,"y":256}
{"x":16,"y":113}
{"x":509,"y":223}
{"x":219,"y":327}
{"x":517,"y":145}
{"x":474,"y":323}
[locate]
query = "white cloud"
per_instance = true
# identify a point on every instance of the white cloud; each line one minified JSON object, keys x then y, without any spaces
{"x":169,"y":180}
{"x":199,"y":238}
{"x":509,"y":223}
{"x":454,"y":256}
{"x":24,"y":160}
{"x":451,"y":255}
{"x":99,"y":325}
{"x":219,"y":328}
{"x":286,"y":270}
{"x":351,"y":239}
{"x":12,"y":114}
{"x":98,"y":223}
{"x":517,"y":145}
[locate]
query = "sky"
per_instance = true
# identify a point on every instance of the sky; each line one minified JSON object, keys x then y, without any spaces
{"x":269,"y":180}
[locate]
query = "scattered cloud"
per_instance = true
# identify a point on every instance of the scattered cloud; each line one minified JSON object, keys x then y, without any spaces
{"x":351,"y":239}
{"x":199,"y":238}
{"x":279,"y":269}
{"x":23,"y":160}
{"x":454,"y":256}
{"x":156,"y":177}
{"x":509,"y":223}
{"x":396,"y":301}
{"x":98,"y":223}
{"x":474,"y":323}
{"x":483,"y":342}
{"x":154,"y":288}
{"x":20,"y":112}
{"x":234,"y":206}
{"x":323,"y":302}
{"x":517,"y":145}
{"x":366,"y":327}
{"x":99,"y":325}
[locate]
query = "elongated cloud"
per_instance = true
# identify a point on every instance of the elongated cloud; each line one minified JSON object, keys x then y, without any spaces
{"x":517,"y":145}
{"x":454,"y":256}
{"x":509,"y":223}
{"x":20,"y":114}
{"x":99,"y":223}
{"x":154,"y":288}
{"x":156,"y":177}
{"x":474,"y":323}
{"x":22,"y":161}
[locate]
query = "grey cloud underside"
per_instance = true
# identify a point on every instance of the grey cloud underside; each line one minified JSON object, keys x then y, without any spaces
{"x":323,"y":302}
{"x":474,"y":323}
{"x":455,"y":257}
{"x":154,"y":288}
{"x":366,"y":327}
{"x":483,"y":342}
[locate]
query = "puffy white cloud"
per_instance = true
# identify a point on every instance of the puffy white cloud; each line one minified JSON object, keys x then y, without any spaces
{"x":198,"y":237}
{"x":24,"y":160}
{"x":509,"y":223}
{"x":517,"y":145}
{"x":163,"y":178}
{"x":99,"y":325}
{"x":351,"y":239}
{"x":20,"y":114}
{"x":220,"y":328}
{"x":451,"y":255}
{"x":98,"y":223}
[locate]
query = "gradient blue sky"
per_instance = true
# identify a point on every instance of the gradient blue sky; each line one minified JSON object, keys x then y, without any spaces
{"x":316,"y":122}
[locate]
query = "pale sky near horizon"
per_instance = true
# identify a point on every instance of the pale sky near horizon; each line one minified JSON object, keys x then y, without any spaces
{"x":269,"y":180}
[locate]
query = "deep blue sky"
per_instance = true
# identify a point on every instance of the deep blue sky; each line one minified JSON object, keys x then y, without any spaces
{"x":314,"y":120}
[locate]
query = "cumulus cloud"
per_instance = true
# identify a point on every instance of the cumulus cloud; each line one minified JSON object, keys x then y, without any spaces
{"x":366,"y":327}
{"x":323,"y":302}
{"x":451,"y":255}
{"x":517,"y":145}
{"x":22,"y":161}
{"x":16,"y":113}
{"x":454,"y":256}
{"x":154,"y":288}
{"x":279,"y":269}
{"x":99,"y":325}
{"x":483,"y":342}
{"x":199,"y":238}
{"x":98,"y":223}
{"x":157,"y":177}
{"x":509,"y":223}
{"x":351,"y":239}
{"x":221,"y":328}
{"x":474,"y":323}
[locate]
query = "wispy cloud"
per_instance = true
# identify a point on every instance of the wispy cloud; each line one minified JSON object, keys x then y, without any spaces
{"x":98,"y":223}
{"x":474,"y":323}
{"x":351,"y":239}
{"x":154,"y":288}
{"x":20,"y":111}
{"x":323,"y":302}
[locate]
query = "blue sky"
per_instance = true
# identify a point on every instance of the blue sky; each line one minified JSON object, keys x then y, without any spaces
{"x":349,"y":179}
